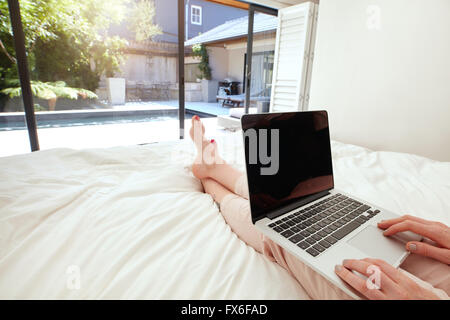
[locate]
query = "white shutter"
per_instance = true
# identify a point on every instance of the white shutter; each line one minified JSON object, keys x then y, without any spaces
{"x":293,"y":57}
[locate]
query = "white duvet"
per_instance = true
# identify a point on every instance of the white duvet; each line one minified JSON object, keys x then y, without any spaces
{"x":133,"y":223}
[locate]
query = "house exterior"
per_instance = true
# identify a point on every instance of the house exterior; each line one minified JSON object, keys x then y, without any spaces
{"x":200,"y":17}
{"x":150,"y":68}
{"x":227,"y":47}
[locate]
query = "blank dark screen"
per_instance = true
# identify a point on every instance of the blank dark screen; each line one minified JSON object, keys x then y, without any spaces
{"x":305,"y":166}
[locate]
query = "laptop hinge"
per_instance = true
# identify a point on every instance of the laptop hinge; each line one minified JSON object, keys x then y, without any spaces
{"x":297,"y":204}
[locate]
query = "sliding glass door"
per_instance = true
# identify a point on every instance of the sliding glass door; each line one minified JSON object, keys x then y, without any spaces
{"x":258,"y":70}
{"x":117,"y":72}
{"x":101,"y":73}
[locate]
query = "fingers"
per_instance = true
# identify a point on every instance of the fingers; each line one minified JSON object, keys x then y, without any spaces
{"x":358,"y":283}
{"x":427,"y":250}
{"x":427,"y":230}
{"x":387,"y":223}
{"x":364,"y":267}
{"x":357,"y":265}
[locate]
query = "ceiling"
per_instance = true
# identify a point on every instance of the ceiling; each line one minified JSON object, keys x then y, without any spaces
{"x":231,"y":3}
{"x":277,"y":4}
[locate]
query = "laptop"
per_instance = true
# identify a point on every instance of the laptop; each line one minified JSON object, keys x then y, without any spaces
{"x":293,"y":200}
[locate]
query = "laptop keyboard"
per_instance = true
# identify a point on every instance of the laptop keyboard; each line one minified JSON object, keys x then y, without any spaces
{"x":318,"y":227}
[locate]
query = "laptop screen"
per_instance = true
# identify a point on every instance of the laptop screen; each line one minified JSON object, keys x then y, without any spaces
{"x":288,"y":160}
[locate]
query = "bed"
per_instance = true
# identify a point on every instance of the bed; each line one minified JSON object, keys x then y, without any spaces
{"x":132,"y":222}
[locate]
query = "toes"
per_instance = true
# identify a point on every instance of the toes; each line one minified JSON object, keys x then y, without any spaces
{"x":195,"y":118}
{"x":210,"y":155}
{"x":197,"y":122}
{"x":214,"y":144}
{"x":196,"y":128}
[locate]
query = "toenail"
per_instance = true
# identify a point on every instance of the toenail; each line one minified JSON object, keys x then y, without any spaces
{"x":212,"y":140}
{"x":196,"y":117}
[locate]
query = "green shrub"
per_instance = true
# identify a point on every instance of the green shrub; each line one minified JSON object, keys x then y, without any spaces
{"x":199,"y":50}
{"x":48,"y":90}
{"x":68,"y":40}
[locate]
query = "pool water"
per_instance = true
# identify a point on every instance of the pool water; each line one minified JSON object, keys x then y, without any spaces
{"x":59,"y":123}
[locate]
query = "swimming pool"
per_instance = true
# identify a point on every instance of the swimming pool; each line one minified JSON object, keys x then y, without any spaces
{"x":6,"y":125}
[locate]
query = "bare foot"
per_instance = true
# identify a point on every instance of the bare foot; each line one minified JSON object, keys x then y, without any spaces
{"x":197,"y":132}
{"x":207,"y":156}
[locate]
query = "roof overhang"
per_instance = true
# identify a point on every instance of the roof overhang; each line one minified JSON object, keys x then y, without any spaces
{"x":279,"y":4}
{"x":223,"y":42}
{"x":232,"y":3}
{"x":275,"y":4}
{"x":236,"y":29}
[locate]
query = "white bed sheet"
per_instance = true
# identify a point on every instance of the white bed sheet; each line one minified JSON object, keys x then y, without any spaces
{"x":135,"y":224}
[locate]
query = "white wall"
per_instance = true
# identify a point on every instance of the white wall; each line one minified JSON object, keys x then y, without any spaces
{"x":236,"y":54}
{"x":386,"y":81}
{"x":138,"y":67}
{"x":236,"y":63}
{"x":218,"y":61}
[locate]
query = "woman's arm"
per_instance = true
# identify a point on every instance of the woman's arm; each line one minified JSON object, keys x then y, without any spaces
{"x":436,"y":231}
{"x":390,"y":283}
{"x":384,"y":281}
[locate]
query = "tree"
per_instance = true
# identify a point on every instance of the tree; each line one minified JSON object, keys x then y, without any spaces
{"x":143,"y":12}
{"x":68,"y":40}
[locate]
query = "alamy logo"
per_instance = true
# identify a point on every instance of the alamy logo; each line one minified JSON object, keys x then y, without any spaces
{"x":373,"y":21}
{"x":373,"y":282}
{"x":73,"y":280}
{"x":258,"y":149}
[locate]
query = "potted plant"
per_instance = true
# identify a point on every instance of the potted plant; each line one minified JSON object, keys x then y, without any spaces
{"x":116,"y":90}
{"x":209,"y":86}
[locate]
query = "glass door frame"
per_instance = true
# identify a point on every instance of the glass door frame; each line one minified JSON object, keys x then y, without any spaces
{"x":24,"y":73}
{"x":248,"y":68}
{"x":181,"y":98}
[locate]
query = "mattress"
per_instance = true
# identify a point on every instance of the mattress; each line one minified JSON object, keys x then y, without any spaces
{"x":133,"y":223}
{"x":122,"y":223}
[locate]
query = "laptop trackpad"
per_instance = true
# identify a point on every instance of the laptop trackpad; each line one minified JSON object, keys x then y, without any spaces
{"x":372,"y":242}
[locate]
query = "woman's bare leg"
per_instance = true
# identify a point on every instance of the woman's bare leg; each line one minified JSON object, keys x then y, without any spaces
{"x":218,"y":178}
{"x":217,"y":191}
{"x":209,"y":164}
{"x":236,"y":212}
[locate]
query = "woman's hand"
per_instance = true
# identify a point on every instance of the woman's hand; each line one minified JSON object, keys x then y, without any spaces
{"x":390,"y":283}
{"x":436,"y":231}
